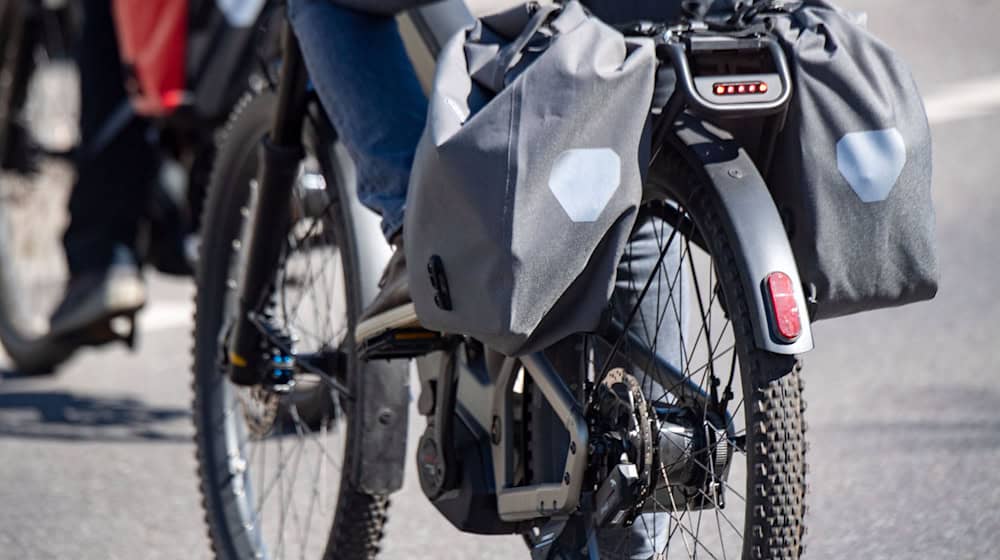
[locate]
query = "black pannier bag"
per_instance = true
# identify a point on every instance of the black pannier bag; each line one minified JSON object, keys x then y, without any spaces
{"x":851,"y":172}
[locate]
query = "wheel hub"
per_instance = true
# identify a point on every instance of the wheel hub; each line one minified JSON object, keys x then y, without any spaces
{"x":670,"y":459}
{"x":694,"y":451}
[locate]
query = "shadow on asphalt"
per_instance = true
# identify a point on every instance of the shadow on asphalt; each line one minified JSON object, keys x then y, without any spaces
{"x":63,"y":416}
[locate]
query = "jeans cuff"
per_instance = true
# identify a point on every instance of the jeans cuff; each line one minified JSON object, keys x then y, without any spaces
{"x":392,"y":226}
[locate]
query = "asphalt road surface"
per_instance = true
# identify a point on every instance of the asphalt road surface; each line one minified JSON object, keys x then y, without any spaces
{"x":904,"y":405}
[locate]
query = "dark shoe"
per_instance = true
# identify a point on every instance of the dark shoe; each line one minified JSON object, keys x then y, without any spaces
{"x":94,"y":298}
{"x":392,"y":307}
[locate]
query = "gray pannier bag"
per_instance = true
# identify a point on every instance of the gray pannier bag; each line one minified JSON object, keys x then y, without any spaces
{"x":528,"y":177}
{"x":851,"y":172}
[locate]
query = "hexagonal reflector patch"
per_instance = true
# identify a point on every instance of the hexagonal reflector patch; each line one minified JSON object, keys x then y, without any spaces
{"x":584,"y":180}
{"x":871,"y":162}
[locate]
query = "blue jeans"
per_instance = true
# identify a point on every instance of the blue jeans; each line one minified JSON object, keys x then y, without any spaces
{"x":370,"y":91}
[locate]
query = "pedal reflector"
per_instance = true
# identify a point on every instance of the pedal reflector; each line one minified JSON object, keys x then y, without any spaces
{"x":400,"y":344}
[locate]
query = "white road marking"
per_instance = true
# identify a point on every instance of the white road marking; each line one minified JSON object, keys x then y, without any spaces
{"x":161,"y":316}
{"x":973,"y":98}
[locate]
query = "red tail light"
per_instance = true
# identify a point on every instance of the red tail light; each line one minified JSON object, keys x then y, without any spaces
{"x":739,"y":88}
{"x":783,"y":305}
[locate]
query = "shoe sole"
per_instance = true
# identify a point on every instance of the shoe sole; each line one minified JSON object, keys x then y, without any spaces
{"x":396,"y":318}
{"x":127,"y":298}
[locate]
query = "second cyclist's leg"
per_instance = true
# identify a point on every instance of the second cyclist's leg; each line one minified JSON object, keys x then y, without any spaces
{"x":114,"y":173}
{"x":370,"y":91}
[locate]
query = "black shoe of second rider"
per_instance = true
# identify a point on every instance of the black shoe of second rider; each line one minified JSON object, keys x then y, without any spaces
{"x":97,"y":296}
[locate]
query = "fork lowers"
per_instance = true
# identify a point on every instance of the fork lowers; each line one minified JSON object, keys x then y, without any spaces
{"x":278,"y":171}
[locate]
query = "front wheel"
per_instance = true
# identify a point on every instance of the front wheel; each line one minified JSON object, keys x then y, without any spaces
{"x":275,"y":459}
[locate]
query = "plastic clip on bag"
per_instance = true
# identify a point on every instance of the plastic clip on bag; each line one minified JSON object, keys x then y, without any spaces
{"x":528,"y":176}
{"x":851,"y":172}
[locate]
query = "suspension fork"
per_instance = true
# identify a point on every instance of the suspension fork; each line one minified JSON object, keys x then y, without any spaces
{"x":279,"y":156}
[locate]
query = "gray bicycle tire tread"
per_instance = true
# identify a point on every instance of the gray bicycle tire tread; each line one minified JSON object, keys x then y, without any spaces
{"x":360,"y":518}
{"x":773,"y":389}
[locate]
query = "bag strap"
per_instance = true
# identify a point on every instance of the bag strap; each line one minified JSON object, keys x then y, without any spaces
{"x":748,"y":12}
{"x":508,"y":54}
{"x":745,"y":17}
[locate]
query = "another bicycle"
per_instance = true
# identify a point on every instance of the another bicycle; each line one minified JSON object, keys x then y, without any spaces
{"x":39,"y":115}
{"x":301,"y":441}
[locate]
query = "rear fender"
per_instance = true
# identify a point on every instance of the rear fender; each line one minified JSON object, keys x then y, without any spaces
{"x":752,"y":221}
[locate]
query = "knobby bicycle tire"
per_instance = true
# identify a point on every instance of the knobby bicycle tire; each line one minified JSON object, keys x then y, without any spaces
{"x":773,"y":459}
{"x":359,"y":518}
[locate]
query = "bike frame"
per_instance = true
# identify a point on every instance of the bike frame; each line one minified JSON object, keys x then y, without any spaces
{"x":467,"y":390}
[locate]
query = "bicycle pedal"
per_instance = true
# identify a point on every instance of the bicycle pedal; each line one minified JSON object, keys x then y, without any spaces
{"x":124,"y":328}
{"x":119,"y":328}
{"x":401,"y":344}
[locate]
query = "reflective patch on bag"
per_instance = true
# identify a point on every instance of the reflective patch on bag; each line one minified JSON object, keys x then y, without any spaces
{"x":583,"y":181}
{"x":871,"y":162}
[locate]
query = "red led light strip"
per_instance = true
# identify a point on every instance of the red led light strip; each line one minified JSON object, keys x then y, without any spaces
{"x":740,"y":88}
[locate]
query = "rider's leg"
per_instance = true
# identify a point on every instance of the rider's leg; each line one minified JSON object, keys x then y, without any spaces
{"x":658,"y":324}
{"x":111,"y":188}
{"x":370,"y":91}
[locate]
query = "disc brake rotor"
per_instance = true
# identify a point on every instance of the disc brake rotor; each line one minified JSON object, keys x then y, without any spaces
{"x":623,"y":434}
{"x":259,"y":408}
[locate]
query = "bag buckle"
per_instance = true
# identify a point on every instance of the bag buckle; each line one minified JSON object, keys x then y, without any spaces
{"x":442,"y":297}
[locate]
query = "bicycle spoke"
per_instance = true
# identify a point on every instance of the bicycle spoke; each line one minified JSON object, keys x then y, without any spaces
{"x":683,"y":313}
{"x":313,"y":498}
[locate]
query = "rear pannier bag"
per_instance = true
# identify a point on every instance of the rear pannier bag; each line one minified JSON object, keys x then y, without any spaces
{"x":851,"y":172}
{"x":528,"y":176}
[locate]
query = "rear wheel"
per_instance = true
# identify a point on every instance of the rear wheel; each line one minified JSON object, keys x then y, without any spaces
{"x":729,"y":477}
{"x":744,"y":496}
{"x":275,"y":461}
{"x":39,"y":106}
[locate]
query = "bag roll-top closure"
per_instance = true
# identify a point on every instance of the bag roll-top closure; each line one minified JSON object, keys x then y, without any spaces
{"x":492,"y":73}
